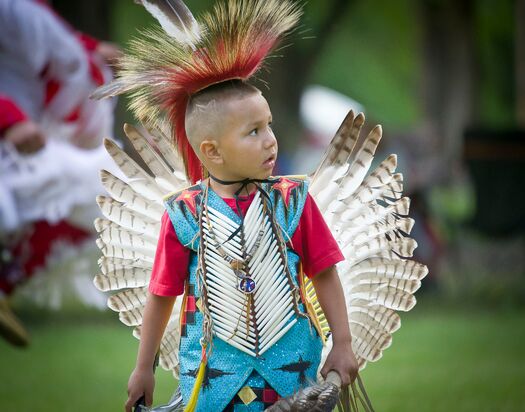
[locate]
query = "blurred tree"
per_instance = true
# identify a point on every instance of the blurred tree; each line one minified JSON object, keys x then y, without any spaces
{"x":519,"y":48}
{"x":494,"y":144}
{"x":91,"y":17}
{"x":447,"y":88}
{"x":495,"y":44}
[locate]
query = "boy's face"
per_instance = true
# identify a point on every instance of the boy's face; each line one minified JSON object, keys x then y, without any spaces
{"x":246,"y":144}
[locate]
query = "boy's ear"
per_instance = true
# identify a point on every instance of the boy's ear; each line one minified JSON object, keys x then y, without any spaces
{"x":209,"y":149}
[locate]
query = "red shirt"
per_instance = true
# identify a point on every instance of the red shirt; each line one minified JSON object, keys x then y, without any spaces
{"x":312,"y":241}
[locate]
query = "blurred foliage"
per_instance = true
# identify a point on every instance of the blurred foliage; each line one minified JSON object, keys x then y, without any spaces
{"x":494,"y":40}
{"x":373,"y":58}
{"x":452,"y":204}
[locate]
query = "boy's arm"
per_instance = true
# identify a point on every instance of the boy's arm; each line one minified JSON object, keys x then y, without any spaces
{"x":332,"y":300}
{"x":156,"y":315}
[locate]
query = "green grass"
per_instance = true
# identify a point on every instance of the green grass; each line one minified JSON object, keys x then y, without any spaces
{"x":77,"y":361}
{"x":442,"y":359}
{"x":450,"y":360}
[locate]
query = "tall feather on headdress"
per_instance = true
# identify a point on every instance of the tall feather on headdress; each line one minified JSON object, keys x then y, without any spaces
{"x":175,"y":18}
{"x":165,"y":67}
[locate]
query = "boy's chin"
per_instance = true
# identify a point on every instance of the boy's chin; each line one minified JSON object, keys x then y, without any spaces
{"x":265,"y":175}
{"x":259,"y":176}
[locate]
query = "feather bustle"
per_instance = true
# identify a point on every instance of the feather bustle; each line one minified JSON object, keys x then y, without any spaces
{"x":369,"y":218}
{"x":128,"y":299}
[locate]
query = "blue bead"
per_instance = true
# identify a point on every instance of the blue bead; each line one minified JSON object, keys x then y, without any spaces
{"x":247,"y":285}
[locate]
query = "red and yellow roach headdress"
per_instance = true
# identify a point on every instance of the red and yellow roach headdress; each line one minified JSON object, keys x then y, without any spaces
{"x":165,"y":67}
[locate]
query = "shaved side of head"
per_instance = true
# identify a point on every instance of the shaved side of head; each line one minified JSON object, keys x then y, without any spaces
{"x":206,"y":109}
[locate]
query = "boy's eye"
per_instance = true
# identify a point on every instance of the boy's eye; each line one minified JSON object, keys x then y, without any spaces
{"x":254,"y":132}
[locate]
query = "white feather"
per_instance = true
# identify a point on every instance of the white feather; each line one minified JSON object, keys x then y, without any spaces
{"x":176,"y":19}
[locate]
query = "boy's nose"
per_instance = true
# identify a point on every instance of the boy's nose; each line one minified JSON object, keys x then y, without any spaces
{"x":270,"y":139}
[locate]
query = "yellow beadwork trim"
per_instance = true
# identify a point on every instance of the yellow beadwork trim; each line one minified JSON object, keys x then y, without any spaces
{"x":313,"y":308}
{"x":165,"y":198}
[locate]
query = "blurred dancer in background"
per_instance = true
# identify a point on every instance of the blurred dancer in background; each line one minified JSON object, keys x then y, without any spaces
{"x":50,"y":142}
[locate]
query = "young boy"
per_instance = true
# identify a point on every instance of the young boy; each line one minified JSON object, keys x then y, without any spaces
{"x":229,"y":127}
{"x":236,"y":242}
{"x":242,"y":247}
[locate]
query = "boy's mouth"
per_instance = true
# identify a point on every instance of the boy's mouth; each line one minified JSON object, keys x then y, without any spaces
{"x":270,"y":162}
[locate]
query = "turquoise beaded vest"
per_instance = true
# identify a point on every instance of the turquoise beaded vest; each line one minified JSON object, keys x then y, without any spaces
{"x":256,"y":316}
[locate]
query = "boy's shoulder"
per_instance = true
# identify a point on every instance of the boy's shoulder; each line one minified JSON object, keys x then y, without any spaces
{"x":289,"y":183}
{"x":187,"y":196}
{"x":289,"y":187}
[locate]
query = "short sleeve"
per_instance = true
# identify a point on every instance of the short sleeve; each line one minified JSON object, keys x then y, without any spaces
{"x":313,"y":241}
{"x":170,"y":267}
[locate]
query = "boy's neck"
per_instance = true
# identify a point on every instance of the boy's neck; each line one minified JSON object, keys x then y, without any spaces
{"x":228,"y":191}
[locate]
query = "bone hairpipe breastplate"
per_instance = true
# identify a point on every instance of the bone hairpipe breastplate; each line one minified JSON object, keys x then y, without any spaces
{"x":250,"y":309}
